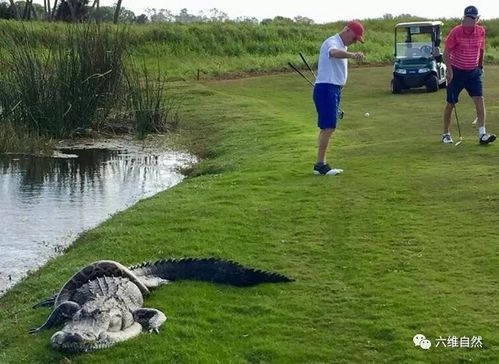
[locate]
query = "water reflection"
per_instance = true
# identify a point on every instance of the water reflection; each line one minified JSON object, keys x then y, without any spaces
{"x":46,"y":202}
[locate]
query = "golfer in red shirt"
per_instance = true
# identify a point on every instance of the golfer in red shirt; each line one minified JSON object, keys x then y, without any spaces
{"x":463,"y":55}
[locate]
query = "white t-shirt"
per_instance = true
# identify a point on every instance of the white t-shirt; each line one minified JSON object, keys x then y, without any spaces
{"x":330,"y":69}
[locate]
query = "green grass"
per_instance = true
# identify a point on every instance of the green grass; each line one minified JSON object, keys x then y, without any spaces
{"x":404,"y":242}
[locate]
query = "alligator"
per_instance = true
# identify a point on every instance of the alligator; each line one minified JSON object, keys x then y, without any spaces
{"x":102,"y":304}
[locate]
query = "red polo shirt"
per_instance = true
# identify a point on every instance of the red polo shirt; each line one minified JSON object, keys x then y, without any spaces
{"x":464,"y":47}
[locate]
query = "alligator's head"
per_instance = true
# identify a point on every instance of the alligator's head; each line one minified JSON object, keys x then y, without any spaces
{"x":96,"y":325}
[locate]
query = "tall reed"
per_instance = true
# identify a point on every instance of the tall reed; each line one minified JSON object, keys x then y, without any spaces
{"x":150,"y":108}
{"x":68,"y":85}
{"x":18,"y":139}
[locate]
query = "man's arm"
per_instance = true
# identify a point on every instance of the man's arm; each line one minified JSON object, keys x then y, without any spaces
{"x":449,"y":74}
{"x":338,"y":53}
{"x":480,"y":58}
{"x":482,"y":51}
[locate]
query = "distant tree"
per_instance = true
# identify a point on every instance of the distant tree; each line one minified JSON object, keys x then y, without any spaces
{"x":303,"y":20}
{"x":185,"y":17}
{"x":72,"y":10}
{"x":245,"y":19}
{"x":387,"y":16}
{"x":50,"y":9}
{"x":141,"y":19}
{"x":106,"y":14}
{"x":282,"y":20}
{"x":103,"y":14}
{"x":117,"y":11}
{"x":25,"y":10}
{"x":201,"y":17}
{"x":217,"y":15}
{"x":161,"y":15}
{"x":5,"y":11}
{"x":405,"y":16}
{"x":14,"y":9}
{"x":38,"y":11}
{"x":126,"y":16}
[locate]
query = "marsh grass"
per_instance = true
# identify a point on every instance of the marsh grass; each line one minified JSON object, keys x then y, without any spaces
{"x":71,"y":84}
{"x":78,"y":83}
{"x":16,"y":139}
{"x":150,"y":108}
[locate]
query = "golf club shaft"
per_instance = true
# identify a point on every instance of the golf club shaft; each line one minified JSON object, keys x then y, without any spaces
{"x":457,"y":121}
{"x":307,"y":64}
{"x":300,"y":73}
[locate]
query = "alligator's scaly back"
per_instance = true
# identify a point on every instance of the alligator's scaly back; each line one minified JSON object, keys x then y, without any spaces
{"x":204,"y":269}
{"x":101,"y":268}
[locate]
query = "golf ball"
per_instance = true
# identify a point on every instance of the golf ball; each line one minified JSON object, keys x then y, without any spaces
{"x":366,"y":114}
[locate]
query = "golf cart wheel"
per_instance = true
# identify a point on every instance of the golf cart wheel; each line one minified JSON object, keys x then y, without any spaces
{"x":432,"y":84}
{"x":396,"y":86}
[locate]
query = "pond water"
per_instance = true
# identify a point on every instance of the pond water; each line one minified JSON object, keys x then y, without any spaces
{"x":45,"y":203}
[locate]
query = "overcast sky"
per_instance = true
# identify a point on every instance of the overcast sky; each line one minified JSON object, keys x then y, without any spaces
{"x":321,"y":11}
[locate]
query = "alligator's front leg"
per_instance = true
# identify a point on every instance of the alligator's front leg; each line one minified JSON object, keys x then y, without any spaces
{"x":150,"y":318}
{"x":61,"y":313}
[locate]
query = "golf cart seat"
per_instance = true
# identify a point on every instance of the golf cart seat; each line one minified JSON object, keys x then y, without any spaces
{"x":413,"y":53}
{"x":437,"y":54}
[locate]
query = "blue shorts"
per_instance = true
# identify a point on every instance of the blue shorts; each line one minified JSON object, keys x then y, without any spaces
{"x":464,"y":79}
{"x":327,"y":101}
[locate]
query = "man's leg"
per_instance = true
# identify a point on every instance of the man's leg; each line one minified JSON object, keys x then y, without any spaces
{"x":321,"y":167}
{"x":447,"y":117}
{"x":324,"y":136}
{"x":453,"y":90}
{"x":446,"y":138}
{"x":483,"y":136}
{"x":480,"y":110}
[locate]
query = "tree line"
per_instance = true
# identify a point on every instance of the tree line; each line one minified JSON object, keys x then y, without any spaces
{"x":64,"y":10}
{"x":87,"y":10}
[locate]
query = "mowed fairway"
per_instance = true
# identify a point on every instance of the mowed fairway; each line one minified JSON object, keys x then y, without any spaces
{"x":403,"y":243}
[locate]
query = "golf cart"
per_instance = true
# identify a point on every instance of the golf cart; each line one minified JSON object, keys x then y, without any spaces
{"x":418,"y":61}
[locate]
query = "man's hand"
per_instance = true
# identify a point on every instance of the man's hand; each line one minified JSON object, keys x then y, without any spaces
{"x":358,"y":56}
{"x":481,"y":70}
{"x":449,"y":75}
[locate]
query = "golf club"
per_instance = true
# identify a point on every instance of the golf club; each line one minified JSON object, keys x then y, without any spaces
{"x":300,"y":73}
{"x":306,"y":64}
{"x":341,"y":114}
{"x":458,"y":127}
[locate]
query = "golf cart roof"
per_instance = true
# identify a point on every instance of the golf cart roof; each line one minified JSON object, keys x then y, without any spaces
{"x":419,"y":24}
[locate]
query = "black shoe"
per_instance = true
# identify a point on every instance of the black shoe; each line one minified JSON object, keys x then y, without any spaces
{"x":487,"y":138}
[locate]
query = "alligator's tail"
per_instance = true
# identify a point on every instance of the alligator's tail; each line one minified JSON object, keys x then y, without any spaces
{"x":204,"y":269}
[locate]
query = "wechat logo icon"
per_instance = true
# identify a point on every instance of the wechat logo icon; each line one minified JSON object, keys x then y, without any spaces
{"x":421,"y":341}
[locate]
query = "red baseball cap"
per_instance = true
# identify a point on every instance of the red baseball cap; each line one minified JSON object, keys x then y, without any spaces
{"x":357,"y":28}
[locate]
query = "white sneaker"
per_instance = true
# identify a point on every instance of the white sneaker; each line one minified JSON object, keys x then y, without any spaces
{"x":326,"y":170}
{"x":334,"y":171}
{"x":447,"y":139}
